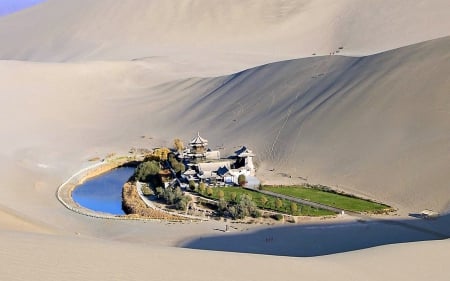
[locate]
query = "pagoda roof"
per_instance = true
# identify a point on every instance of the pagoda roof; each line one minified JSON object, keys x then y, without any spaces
{"x":244,"y":152}
{"x":198,"y":140}
{"x":190,"y":172}
{"x":222,"y":171}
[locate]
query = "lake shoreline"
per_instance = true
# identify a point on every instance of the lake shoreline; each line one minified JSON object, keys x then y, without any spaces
{"x":64,"y":192}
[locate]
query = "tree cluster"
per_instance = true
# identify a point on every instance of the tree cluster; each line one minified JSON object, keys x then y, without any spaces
{"x":146,"y":170}
{"x":161,"y":153}
{"x":241,"y":208}
{"x":177,"y":166}
{"x":173,"y":196}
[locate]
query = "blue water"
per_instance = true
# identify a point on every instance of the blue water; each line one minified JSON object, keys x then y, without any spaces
{"x":104,"y":193}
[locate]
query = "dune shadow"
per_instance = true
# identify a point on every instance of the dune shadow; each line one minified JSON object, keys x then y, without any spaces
{"x":319,"y":239}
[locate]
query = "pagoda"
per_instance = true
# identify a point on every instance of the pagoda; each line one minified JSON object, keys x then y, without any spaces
{"x":198,"y":147}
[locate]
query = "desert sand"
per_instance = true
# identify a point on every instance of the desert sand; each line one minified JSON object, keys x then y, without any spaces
{"x":81,"y":79}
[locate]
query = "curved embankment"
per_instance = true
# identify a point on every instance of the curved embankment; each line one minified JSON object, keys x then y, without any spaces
{"x":64,"y":192}
{"x":132,"y":203}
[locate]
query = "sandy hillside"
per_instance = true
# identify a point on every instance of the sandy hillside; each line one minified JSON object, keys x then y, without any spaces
{"x":80,"y":79}
{"x":232,"y":34}
{"x":370,"y":125}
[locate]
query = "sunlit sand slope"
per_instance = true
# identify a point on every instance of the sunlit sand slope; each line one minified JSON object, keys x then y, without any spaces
{"x":231,"y":33}
{"x":376,"y":125}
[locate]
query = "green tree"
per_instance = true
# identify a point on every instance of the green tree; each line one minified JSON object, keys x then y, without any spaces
{"x":192,"y":185}
{"x":233,"y":197}
{"x":233,"y":212}
{"x":245,"y":207}
{"x":145,"y":170}
{"x":159,"y":192}
{"x":161,"y":153}
{"x":179,"y":146}
{"x":202,"y":187}
{"x":169,"y":195}
{"x":264,"y":200}
{"x":222,"y":205}
{"x":178,"y":192}
{"x":294,"y":208}
{"x":178,"y":167}
{"x":242,"y":180}
{"x":182,"y":203}
{"x":278,"y":203}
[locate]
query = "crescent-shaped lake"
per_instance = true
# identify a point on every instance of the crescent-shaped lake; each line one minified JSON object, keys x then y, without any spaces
{"x":104,"y":193}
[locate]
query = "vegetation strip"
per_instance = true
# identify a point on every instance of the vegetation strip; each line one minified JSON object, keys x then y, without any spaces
{"x":267,"y":202}
{"x":332,"y":199}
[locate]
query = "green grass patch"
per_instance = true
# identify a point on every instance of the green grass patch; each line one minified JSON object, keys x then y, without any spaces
{"x":341,"y":201}
{"x":270,"y":202}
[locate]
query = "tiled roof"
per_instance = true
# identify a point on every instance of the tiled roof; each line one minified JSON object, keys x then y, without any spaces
{"x":199,"y":140}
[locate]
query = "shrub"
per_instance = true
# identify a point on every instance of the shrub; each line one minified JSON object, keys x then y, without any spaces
{"x":294,"y":208}
{"x":264,"y":200}
{"x":174,"y":196}
{"x":233,"y":211}
{"x":169,"y":195}
{"x":202,"y":187}
{"x":192,"y":185}
{"x":159,"y":192}
{"x":161,"y":153}
{"x":256,"y":213}
{"x":277,"y":217}
{"x":244,"y":208}
{"x":182,"y":203}
{"x":278,"y":203}
{"x":242,"y":180}
{"x":147,"y":191}
{"x":178,"y":167}
{"x":179,"y":146}
{"x":233,"y":197}
{"x":221,"y":194}
{"x":209,"y":191}
{"x":222,"y":205}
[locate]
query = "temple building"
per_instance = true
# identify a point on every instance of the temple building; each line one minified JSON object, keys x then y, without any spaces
{"x":245,"y":160}
{"x":198,"y":150}
{"x":206,"y":166}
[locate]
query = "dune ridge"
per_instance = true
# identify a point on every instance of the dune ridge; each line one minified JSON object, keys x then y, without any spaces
{"x":232,"y":34}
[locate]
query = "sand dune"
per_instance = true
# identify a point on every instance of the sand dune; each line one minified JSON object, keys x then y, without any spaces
{"x":233,"y":34}
{"x":368,"y":125}
{"x":68,"y":259}
{"x":80,"y":79}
